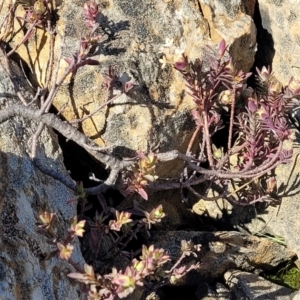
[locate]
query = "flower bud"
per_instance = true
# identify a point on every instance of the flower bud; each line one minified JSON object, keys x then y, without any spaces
{"x":294,"y":86}
{"x":275,"y":87}
{"x":265,"y":74}
{"x":182,"y":65}
{"x":252,"y":105}
{"x":222,"y":48}
{"x":226,"y":97}
{"x":271,"y":184}
{"x":217,"y":152}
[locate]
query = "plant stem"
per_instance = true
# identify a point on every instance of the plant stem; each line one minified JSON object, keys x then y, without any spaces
{"x":207,"y":140}
{"x":231,"y":119}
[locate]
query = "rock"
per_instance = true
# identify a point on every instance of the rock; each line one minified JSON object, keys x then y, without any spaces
{"x":279,"y":219}
{"x":221,"y":251}
{"x":236,"y":15}
{"x":219,"y":292}
{"x":157,"y":111}
{"x":244,"y":285}
{"x":280,"y":39}
{"x":282,"y":220}
{"x":25,"y":193}
{"x":296,"y":295}
{"x":213,"y":209}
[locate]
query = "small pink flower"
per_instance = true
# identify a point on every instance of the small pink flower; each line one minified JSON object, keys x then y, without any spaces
{"x":90,"y":12}
{"x":264,"y":74}
{"x":138,"y":265}
{"x":155,"y":216}
{"x":252,"y":105}
{"x":154,"y":257}
{"x":88,"y":277}
{"x":294,"y":86}
{"x":47,"y":219}
{"x":65,"y":252}
{"x":122,"y":219}
{"x":126,"y":282}
{"x":77,"y":228}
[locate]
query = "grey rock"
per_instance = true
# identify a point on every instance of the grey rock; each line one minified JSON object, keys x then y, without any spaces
{"x":25,"y":193}
{"x":280,"y":21}
{"x":157,"y":110}
{"x":219,"y":292}
{"x":282,"y":219}
{"x":296,"y":295}
{"x":247,"y":286}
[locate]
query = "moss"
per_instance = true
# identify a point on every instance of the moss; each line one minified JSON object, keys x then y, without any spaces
{"x":286,"y":275}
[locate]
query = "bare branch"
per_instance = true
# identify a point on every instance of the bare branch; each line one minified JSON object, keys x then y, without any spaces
{"x":67,"y":131}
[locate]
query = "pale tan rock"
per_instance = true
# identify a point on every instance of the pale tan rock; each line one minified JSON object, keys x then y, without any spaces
{"x":282,"y":219}
{"x":213,"y":209}
{"x":281,"y":21}
{"x":232,"y":21}
{"x":157,"y":111}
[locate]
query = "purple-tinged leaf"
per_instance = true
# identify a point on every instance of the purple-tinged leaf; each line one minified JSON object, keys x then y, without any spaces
{"x":252,"y":105}
{"x":265,"y":74}
{"x":102,"y":202}
{"x":222,"y":48}
{"x":143,"y":193}
{"x":68,"y":60}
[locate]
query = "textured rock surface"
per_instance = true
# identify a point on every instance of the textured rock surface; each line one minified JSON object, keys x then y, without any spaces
{"x":244,"y":285}
{"x":280,"y":219}
{"x":219,"y":292}
{"x":283,"y":219}
{"x":235,"y":15}
{"x":280,"y":20}
{"x":157,"y":111}
{"x":296,"y":296}
{"x":24,"y":194}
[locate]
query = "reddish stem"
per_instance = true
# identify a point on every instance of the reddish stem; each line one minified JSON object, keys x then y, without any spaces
{"x":231,"y":120}
{"x":207,"y":139}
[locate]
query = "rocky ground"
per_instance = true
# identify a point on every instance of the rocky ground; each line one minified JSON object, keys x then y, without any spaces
{"x":236,"y":243}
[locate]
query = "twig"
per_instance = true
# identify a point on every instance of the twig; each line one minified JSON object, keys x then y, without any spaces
{"x":51,"y":57}
{"x":56,"y":84}
{"x":192,"y":140}
{"x":56,"y":175}
{"x":94,"y":112}
{"x":28,"y":34}
{"x":66,"y":130}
